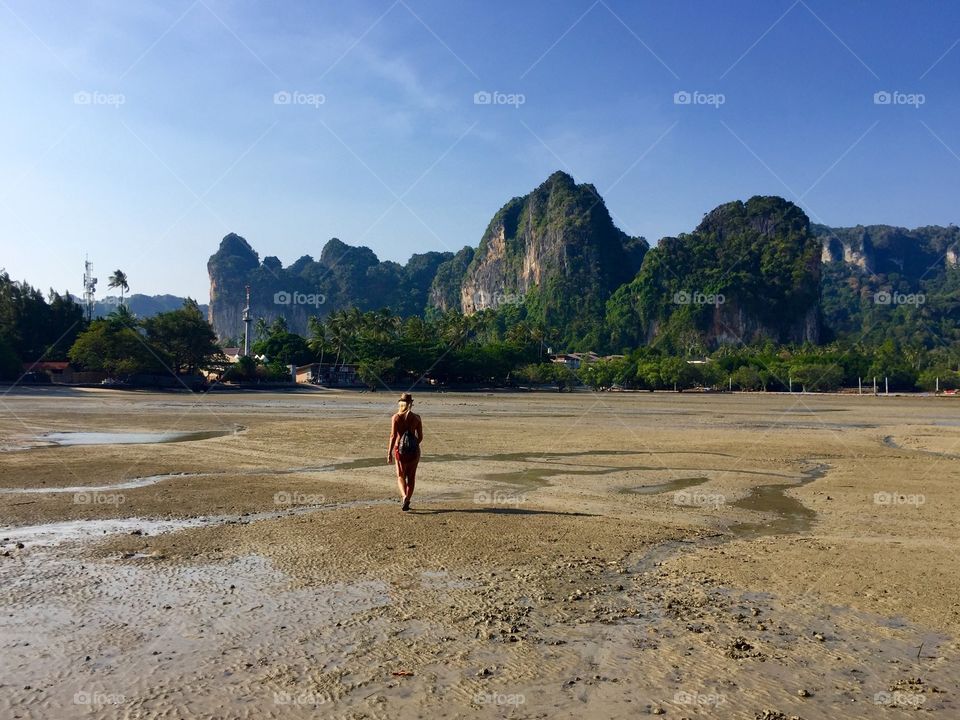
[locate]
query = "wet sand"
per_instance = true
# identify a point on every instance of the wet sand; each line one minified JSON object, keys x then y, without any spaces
{"x":577,"y":555}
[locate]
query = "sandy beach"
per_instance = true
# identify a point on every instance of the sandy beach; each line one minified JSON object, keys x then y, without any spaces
{"x":611,"y":555}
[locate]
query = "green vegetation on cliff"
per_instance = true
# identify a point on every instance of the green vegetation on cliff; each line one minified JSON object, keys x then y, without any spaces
{"x":344,"y":277}
{"x":883,"y":282}
{"x":445,"y":286}
{"x":557,"y":252}
{"x":749,"y":272}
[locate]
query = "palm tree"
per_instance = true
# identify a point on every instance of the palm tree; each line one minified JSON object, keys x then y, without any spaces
{"x":118,"y":280}
{"x":386,"y":323}
{"x":538,"y":336}
{"x":122,"y":316}
{"x":337,"y":322}
{"x":261,"y":328}
{"x":415,"y":328}
{"x":455,"y":328}
{"x":278,"y":326}
{"x":318,"y":335}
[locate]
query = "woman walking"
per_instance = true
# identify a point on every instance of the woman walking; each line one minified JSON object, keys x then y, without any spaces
{"x":406,"y":434}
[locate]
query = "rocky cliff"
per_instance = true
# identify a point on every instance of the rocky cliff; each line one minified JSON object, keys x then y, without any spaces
{"x":445,"y":287}
{"x":885,"y":249}
{"x":749,"y":272}
{"x":560,"y":230}
{"x":345,"y":276}
{"x":556,"y":251}
{"x":881,"y":281}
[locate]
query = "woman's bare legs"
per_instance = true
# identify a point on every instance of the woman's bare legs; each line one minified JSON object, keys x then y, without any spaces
{"x":407,"y":478}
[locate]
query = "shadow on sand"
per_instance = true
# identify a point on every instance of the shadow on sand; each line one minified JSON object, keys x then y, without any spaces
{"x":498,"y":511}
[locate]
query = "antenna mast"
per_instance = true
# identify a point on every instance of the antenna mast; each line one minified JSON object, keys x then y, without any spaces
{"x":89,"y":287}
{"x":246,"y":325}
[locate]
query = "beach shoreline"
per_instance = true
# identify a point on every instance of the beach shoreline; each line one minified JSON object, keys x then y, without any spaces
{"x":704,"y":555}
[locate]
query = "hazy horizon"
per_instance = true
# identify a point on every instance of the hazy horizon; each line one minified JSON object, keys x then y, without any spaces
{"x":140,"y":136}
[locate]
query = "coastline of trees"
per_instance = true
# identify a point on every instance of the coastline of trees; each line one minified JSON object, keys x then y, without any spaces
{"x":487,"y":349}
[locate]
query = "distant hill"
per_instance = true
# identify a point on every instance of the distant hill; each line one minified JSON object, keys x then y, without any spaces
{"x":143,"y":306}
{"x":555,"y":251}
{"x":343,"y":277}
{"x":881,"y":281}
{"x":751,"y":271}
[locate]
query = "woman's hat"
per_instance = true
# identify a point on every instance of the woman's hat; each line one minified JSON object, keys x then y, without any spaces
{"x":406,"y":397}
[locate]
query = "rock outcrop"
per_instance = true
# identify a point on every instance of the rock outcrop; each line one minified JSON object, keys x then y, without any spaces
{"x":556,"y":251}
{"x":344,"y":277}
{"x":555,"y":259}
{"x":885,"y":249}
{"x":561,"y":229}
{"x":749,"y":272}
{"x":874,"y":277}
{"x":445,"y":288}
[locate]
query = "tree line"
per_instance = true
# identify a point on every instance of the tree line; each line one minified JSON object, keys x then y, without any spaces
{"x":488,"y":348}
{"x":34,"y":328}
{"x":491,"y":348}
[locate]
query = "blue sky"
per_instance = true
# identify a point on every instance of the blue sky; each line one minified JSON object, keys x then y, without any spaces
{"x":141,"y":133}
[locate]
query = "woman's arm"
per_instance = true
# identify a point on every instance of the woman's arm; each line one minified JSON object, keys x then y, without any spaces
{"x":393,"y":438}
{"x":418,"y":430}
